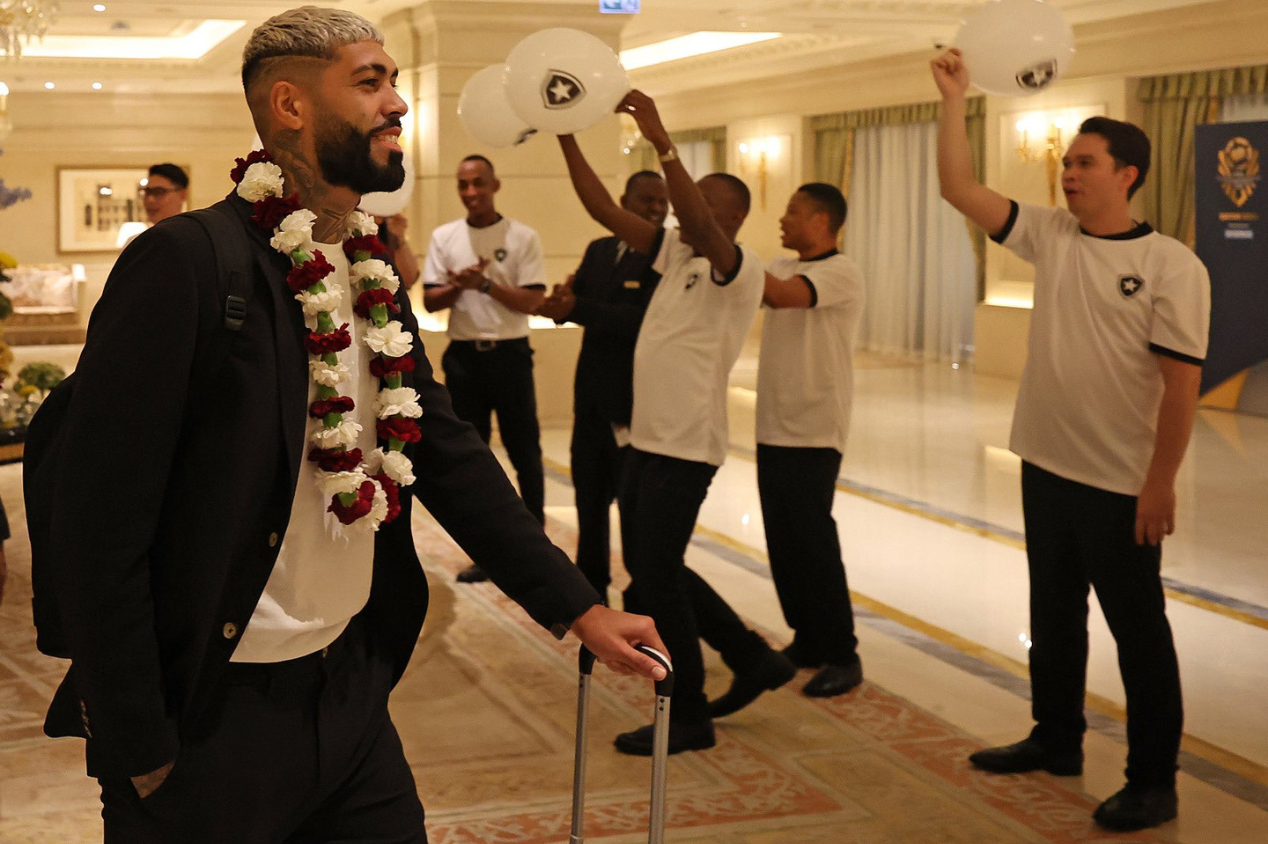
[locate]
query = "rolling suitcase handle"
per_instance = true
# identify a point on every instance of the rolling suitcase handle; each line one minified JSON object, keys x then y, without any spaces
{"x":660,"y":746}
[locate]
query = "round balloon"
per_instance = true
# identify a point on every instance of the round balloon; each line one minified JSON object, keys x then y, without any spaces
{"x":390,"y":203}
{"x":485,"y":113}
{"x":1015,"y":47}
{"x":564,"y":80}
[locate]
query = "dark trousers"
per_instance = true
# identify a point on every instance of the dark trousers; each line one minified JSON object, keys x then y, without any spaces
{"x":299,"y":752}
{"x":660,"y":500}
{"x":796,"y":487}
{"x":1076,"y":536}
{"x":596,"y":476}
{"x":486,"y":377}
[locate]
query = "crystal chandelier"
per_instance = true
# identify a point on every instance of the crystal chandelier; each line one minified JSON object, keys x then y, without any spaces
{"x":24,"y":19}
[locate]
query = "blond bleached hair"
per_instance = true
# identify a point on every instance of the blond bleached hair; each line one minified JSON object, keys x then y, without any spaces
{"x":306,"y":32}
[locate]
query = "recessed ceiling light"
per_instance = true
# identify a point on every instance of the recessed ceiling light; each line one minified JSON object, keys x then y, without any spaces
{"x":49,"y":86}
{"x":686,"y":46}
{"x":96,"y":86}
{"x":99,"y":7}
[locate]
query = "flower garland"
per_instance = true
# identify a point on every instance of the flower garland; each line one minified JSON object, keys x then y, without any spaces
{"x":364,"y":490}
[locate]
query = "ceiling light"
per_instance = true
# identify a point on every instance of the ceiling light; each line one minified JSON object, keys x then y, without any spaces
{"x":24,"y":20}
{"x":686,"y":46}
{"x":191,"y":46}
{"x":99,"y":7}
{"x":96,"y":86}
{"x":48,"y":86}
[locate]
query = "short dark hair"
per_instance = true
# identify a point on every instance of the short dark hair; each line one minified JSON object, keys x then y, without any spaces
{"x":486,"y":162}
{"x":642,"y":174}
{"x":738,"y":189}
{"x":829,"y":200}
{"x":1128,"y":145}
{"x":172,"y":173}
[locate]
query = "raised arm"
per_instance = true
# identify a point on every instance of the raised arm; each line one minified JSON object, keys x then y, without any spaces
{"x":599,"y":204}
{"x":988,"y":209}
{"x":695,"y":220}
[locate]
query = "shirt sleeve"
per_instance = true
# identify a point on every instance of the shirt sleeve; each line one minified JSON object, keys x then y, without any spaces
{"x":1029,"y":226}
{"x":531,"y":271}
{"x":834,"y":282}
{"x":1182,"y":311}
{"x":434,"y":273}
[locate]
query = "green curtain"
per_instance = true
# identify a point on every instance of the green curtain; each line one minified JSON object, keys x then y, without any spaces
{"x":1174,"y":106}
{"x":643,"y":154}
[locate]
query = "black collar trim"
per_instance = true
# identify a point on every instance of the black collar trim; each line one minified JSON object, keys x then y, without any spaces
{"x":825,"y":256}
{"x":1140,"y":230}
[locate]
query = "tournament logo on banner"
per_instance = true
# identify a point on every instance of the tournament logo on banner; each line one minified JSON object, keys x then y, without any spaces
{"x":1232,"y":242}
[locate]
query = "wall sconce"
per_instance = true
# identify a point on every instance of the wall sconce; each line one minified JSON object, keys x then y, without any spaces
{"x":761,"y":149}
{"x":1040,"y":138}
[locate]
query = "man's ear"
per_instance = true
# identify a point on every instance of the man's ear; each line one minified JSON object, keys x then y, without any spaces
{"x":1128,"y":174}
{"x":497,"y":185}
{"x":288,"y":104}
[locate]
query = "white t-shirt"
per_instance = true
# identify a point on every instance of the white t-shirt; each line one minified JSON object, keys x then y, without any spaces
{"x":690,"y":338}
{"x":514,"y":253}
{"x":805,"y":376}
{"x":1105,"y":307}
{"x":319,"y":582}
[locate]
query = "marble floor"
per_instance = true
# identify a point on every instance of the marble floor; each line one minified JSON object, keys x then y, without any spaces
{"x":929,"y":513}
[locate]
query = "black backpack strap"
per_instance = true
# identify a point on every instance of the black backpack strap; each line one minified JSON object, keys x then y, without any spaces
{"x":233,"y":261}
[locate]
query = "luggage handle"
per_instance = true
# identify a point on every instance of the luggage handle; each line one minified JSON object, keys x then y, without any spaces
{"x":660,"y":745}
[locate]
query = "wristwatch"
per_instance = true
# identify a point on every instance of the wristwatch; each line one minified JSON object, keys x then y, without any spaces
{"x":486,"y":285}
{"x":670,"y":155}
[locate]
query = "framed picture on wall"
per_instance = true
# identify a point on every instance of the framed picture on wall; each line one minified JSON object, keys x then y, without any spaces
{"x":94,"y":203}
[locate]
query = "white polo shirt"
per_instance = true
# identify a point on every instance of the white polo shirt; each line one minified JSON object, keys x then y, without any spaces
{"x":514,"y":253}
{"x":690,"y":338}
{"x":1105,"y":308}
{"x":318,"y":582}
{"x":805,"y":375}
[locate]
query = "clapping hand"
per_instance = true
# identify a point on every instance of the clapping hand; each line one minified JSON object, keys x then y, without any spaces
{"x":559,"y":304}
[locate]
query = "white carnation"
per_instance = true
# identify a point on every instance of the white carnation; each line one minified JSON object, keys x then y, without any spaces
{"x":288,"y":242}
{"x":342,"y":435}
{"x":262,"y":179}
{"x":340,"y":483}
{"x":361,"y":224}
{"x":376,"y":270}
{"x":390,"y":340}
{"x":401,"y":401}
{"x":327,"y":375}
{"x":398,"y":467}
{"x":328,"y":300}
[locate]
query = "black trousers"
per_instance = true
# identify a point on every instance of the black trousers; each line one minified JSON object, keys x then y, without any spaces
{"x":1076,"y":536}
{"x":796,"y":487}
{"x":497,"y":377}
{"x":660,"y":500}
{"x":596,"y":477}
{"x":299,"y":752}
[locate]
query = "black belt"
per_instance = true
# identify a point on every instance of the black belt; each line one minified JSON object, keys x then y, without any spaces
{"x":488,"y":345}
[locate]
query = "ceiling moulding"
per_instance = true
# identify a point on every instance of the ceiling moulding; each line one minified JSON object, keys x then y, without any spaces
{"x":190,"y":47}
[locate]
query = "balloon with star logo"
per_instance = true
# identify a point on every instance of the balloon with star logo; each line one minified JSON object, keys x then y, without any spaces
{"x":564,"y":80}
{"x":486,"y":114}
{"x":1013,"y":48}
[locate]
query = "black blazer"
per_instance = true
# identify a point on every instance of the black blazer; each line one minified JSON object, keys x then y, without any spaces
{"x":612,"y":297}
{"x":174,"y":495}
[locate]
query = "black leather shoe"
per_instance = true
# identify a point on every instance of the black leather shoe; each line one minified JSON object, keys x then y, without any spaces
{"x":472,"y":574}
{"x":1137,"y":807}
{"x":797,"y":656}
{"x":833,"y":680}
{"x":695,"y":736}
{"x":770,"y":671}
{"x":1028,"y":755}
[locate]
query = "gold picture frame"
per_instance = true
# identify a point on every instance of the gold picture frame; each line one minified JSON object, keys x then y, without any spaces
{"x":93,"y":203}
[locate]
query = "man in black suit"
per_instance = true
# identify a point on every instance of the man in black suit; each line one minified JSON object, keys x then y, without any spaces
{"x":231,"y":684}
{"x":608,"y":296}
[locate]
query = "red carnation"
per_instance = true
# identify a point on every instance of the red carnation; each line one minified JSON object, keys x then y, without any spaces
{"x":360,"y":507}
{"x":381,"y":367}
{"x":324,"y":344}
{"x":369,"y":298}
{"x":271,"y":211}
{"x":309,"y":273}
{"x":397,"y":428}
{"x":393,"y":496}
{"x":340,"y":404}
{"x":254,"y":157}
{"x":366,"y":243}
{"x":329,"y":460}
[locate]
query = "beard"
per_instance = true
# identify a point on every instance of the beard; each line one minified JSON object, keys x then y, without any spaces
{"x":345,"y":158}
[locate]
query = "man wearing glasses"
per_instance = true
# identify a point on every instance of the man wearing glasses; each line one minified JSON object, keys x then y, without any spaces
{"x":166,"y":191}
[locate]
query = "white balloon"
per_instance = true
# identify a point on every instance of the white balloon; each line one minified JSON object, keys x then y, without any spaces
{"x":564,"y":80}
{"x":1015,"y":47}
{"x":485,"y":113}
{"x":390,"y":203}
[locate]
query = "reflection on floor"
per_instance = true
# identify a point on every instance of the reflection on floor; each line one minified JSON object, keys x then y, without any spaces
{"x":929,"y":518}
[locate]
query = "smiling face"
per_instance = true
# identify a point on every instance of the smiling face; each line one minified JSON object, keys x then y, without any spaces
{"x":357,"y":125}
{"x":648,"y":198}
{"x":476,"y":188}
{"x":1093,"y":182}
